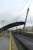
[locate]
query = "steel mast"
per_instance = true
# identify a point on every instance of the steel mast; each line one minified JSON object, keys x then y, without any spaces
{"x":26,"y":18}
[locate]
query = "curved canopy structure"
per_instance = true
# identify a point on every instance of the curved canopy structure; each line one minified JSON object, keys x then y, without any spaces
{"x":11,"y":25}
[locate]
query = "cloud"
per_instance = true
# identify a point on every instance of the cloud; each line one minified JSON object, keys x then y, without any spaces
{"x":12,"y":10}
{"x":14,"y":7}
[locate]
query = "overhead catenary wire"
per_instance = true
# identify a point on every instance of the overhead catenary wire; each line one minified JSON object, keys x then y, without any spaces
{"x":30,"y":20}
{"x":31,"y":23}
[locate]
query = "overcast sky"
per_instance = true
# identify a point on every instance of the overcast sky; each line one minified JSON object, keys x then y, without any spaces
{"x":15,"y":10}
